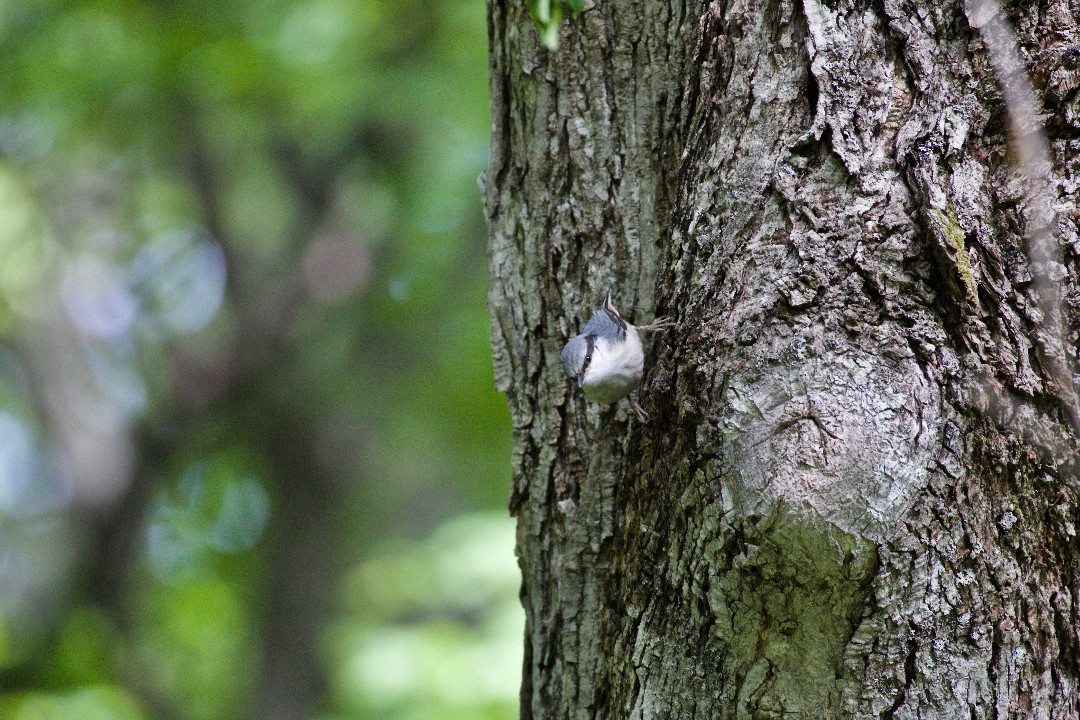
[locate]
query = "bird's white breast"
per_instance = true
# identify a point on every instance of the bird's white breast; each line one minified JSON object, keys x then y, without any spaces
{"x":615,"y":370}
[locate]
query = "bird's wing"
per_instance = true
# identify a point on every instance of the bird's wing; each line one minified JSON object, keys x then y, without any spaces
{"x":606,"y":324}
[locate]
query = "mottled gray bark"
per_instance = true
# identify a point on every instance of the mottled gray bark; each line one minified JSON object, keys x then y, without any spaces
{"x":859,"y":493}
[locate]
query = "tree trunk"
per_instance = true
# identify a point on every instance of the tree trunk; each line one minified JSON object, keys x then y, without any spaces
{"x":858,"y":494}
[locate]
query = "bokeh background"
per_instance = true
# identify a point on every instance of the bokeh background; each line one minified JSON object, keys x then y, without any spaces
{"x":251,"y":461}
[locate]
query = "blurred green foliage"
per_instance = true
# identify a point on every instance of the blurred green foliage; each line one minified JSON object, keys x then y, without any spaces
{"x":433,"y":630}
{"x":246,"y":401}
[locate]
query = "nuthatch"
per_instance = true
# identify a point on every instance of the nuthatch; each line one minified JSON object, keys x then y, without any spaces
{"x":607,"y":359}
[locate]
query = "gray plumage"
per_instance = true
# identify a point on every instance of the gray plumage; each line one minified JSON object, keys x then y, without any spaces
{"x":606,"y":358}
{"x":576,"y":354}
{"x":606,"y":323}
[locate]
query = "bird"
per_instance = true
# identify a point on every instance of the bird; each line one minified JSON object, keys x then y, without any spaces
{"x":606,"y":358}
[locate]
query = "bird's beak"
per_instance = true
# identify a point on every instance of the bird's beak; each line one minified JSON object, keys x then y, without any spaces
{"x":580,"y":379}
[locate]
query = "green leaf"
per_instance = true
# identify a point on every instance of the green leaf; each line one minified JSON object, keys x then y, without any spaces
{"x":550,"y":35}
{"x":546,"y":15}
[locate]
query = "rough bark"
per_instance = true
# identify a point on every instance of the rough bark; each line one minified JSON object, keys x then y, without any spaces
{"x":859,"y":493}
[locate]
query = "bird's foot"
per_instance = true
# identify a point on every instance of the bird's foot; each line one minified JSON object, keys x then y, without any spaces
{"x":642,"y":415}
{"x":658,"y":324}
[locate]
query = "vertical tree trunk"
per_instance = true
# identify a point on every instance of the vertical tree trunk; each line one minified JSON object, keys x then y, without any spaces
{"x":858,"y":495}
